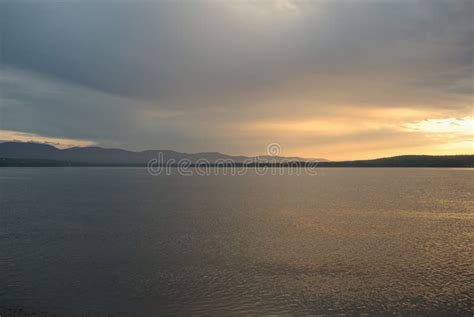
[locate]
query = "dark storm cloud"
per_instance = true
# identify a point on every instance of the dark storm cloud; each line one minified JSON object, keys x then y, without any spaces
{"x":137,"y":49}
{"x":99,"y":45}
{"x":169,"y":49}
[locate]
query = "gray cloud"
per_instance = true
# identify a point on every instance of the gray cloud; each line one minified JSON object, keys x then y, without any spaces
{"x":168,"y":71}
{"x":169,"y":49}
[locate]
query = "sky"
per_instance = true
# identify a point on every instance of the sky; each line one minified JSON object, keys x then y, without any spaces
{"x":341,"y":80}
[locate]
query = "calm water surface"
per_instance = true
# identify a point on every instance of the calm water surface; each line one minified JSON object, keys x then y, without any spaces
{"x":353,"y":241}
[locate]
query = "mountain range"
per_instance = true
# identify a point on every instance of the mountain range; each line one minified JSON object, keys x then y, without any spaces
{"x":104,"y":156}
{"x":37,"y":154}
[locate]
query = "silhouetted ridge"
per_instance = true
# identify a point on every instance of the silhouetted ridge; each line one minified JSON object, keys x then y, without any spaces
{"x":104,"y":156}
{"x":34,"y":154}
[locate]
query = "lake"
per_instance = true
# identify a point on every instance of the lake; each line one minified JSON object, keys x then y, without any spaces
{"x":98,"y":241}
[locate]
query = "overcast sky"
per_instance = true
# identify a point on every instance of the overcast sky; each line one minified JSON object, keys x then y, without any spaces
{"x":335,"y":79}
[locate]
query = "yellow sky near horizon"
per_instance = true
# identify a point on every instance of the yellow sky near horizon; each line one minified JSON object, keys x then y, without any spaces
{"x":366,"y":134}
{"x":61,"y":143}
{"x":442,"y":136}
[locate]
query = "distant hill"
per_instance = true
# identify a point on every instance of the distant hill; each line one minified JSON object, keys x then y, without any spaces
{"x":408,"y":161}
{"x":34,"y":154}
{"x":42,"y":153}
